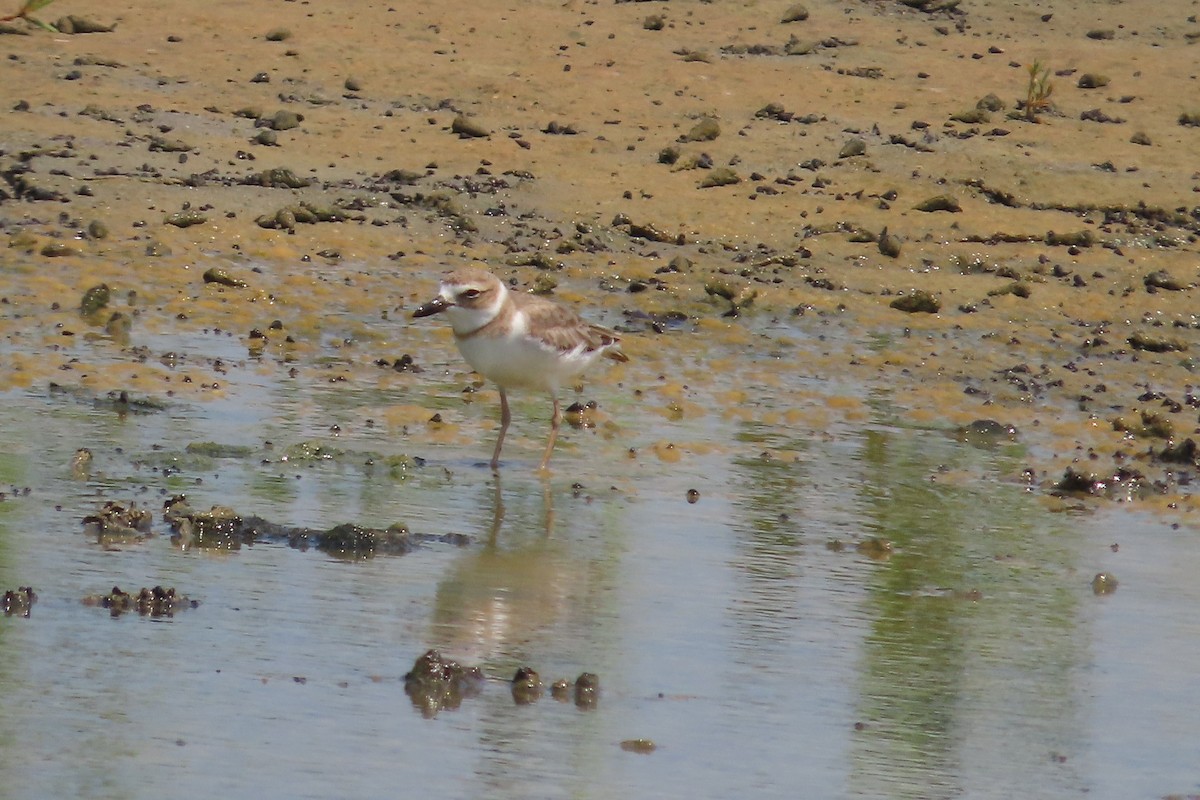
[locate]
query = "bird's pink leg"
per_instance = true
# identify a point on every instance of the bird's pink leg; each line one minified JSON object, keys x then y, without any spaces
{"x":505,"y":418}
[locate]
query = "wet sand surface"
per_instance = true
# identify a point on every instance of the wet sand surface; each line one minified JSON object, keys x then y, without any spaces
{"x":152,"y":132}
{"x":863,"y":599}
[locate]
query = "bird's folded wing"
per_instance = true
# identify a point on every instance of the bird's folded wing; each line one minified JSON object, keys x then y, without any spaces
{"x":563,"y":330}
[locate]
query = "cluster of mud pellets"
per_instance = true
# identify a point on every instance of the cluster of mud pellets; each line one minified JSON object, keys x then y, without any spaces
{"x":156,"y":602}
{"x":435,"y":683}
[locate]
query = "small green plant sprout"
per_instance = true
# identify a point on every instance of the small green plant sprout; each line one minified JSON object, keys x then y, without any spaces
{"x":27,"y":8}
{"x":1038,"y":91}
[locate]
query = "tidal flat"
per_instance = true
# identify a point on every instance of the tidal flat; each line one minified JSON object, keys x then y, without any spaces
{"x":895,"y":497}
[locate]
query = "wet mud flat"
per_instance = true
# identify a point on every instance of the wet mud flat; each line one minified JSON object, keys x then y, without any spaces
{"x":987,"y":254}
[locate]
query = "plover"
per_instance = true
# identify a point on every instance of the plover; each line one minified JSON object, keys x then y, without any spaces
{"x":518,"y":340}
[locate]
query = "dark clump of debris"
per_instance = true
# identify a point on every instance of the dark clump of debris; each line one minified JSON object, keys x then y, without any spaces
{"x":118,"y":523}
{"x":1123,"y":484}
{"x":18,"y":601}
{"x":156,"y":602}
{"x":1185,"y":452}
{"x":224,"y":529}
{"x":435,"y":683}
{"x":585,"y":691}
{"x":526,"y":686}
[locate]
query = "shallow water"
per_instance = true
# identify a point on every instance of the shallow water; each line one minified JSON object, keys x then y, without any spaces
{"x":747,"y":634}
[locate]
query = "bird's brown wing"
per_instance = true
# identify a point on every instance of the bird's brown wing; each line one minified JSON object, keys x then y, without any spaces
{"x":562,"y":329}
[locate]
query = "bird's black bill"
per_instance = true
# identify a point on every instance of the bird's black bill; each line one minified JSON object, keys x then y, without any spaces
{"x":434,"y":306}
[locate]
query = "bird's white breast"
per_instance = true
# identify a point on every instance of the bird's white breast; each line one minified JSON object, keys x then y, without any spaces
{"x":512,"y":355}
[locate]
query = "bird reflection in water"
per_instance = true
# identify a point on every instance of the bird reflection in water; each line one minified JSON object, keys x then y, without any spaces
{"x":514,"y":586}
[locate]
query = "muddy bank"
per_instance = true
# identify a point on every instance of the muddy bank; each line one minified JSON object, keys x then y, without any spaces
{"x":291,"y":179}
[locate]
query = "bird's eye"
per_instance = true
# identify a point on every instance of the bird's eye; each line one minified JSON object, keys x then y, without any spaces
{"x":471,"y":294}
